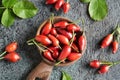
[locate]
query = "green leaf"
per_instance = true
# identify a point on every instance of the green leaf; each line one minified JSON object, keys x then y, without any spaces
{"x":98,"y":9}
{"x":25,"y":9}
{"x":66,"y":76}
{"x":85,"y":1}
{"x":8,"y":3}
{"x":7,"y":18}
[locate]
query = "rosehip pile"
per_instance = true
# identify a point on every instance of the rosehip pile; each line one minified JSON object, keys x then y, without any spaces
{"x":112,"y":39}
{"x":60,"y":41}
{"x":60,"y":4}
{"x":103,"y":66}
{"x":11,"y":55}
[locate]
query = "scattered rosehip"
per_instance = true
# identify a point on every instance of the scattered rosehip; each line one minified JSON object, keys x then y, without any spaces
{"x":12,"y":57}
{"x":95,"y":63}
{"x":11,"y":47}
{"x":103,"y":69}
{"x":115,"y":45}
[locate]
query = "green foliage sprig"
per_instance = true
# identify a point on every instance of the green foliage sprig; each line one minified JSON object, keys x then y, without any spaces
{"x":23,"y":9}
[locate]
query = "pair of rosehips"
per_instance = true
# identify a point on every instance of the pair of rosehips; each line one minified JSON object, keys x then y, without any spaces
{"x":11,"y":55}
{"x":113,"y":39}
{"x":103,"y":67}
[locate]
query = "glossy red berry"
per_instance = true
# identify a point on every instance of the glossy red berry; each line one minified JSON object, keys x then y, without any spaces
{"x":11,"y":47}
{"x":114,"y":46}
{"x":59,"y":4}
{"x":66,"y":7}
{"x":95,"y":64}
{"x":107,"y":41}
{"x":12,"y":57}
{"x":103,"y":69}
{"x":51,"y":1}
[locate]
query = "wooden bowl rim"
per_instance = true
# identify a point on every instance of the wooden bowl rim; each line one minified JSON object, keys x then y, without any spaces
{"x":53,"y":63}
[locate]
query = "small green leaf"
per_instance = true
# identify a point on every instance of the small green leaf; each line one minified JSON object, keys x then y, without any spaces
{"x":66,"y":76}
{"x":98,"y":9}
{"x":7,"y":18}
{"x":25,"y":9}
{"x":85,"y":1}
{"x":8,"y":3}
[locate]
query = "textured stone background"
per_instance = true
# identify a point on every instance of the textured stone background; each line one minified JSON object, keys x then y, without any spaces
{"x":22,"y":30}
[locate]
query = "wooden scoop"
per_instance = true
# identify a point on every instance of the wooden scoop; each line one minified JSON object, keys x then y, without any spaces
{"x":44,"y":69}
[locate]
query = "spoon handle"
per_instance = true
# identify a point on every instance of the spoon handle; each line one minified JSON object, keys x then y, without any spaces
{"x":42,"y":71}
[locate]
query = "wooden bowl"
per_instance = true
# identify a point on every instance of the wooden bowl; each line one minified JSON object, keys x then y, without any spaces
{"x":44,"y":69}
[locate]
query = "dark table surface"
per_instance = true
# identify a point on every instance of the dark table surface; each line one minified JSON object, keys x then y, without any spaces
{"x":25,"y":29}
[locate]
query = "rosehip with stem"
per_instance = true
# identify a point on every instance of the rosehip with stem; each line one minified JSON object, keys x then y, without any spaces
{"x":54,"y":40}
{"x":43,"y":39}
{"x":107,"y":41}
{"x":12,"y":57}
{"x":66,"y":7}
{"x":82,"y":42}
{"x":95,"y":63}
{"x":65,"y":33}
{"x":73,"y":27}
{"x":103,"y":69}
{"x":48,"y":55}
{"x":63,"y":39}
{"x":74,"y":56}
{"x":11,"y":47}
{"x":53,"y":31}
{"x":59,"y":4}
{"x":61,"y":24}
{"x":64,"y":53}
{"x":47,"y":28}
{"x":114,"y":46}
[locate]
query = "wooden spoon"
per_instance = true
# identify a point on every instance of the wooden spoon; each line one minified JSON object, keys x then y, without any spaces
{"x":44,"y":69}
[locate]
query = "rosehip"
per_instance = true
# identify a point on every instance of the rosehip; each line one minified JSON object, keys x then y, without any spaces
{"x":95,"y":64}
{"x":103,"y":69}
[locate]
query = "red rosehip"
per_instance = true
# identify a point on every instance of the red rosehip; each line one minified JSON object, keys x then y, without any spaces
{"x":95,"y":64}
{"x":103,"y":69}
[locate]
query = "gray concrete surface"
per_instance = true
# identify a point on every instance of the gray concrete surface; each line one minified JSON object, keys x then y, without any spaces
{"x":23,"y":30}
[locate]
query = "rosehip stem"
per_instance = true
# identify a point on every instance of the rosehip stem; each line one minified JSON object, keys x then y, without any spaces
{"x":45,"y":47}
{"x":3,"y":53}
{"x":106,"y":62}
{"x":51,"y":18}
{"x":73,"y":36}
{"x":74,"y":49}
{"x":30,"y":43}
{"x":38,"y":46}
{"x":1,"y":58}
{"x":117,"y":62}
{"x":60,"y":62}
{"x":30,"y":40}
